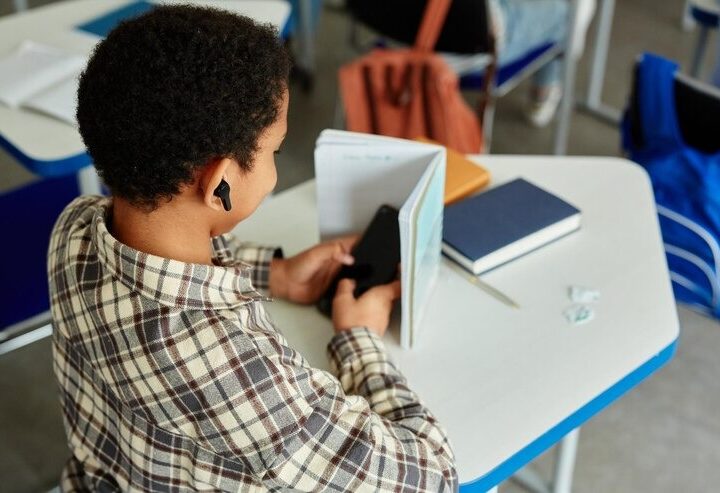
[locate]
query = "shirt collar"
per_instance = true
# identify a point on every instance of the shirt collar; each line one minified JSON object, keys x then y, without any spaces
{"x":172,"y":282}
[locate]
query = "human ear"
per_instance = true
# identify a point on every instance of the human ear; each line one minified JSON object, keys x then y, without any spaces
{"x":215,"y":184}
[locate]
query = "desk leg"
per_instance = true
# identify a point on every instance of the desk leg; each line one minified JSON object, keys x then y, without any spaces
{"x":593,"y":103}
{"x":565,"y":463}
{"x":89,"y":181}
{"x":564,"y":466}
{"x":529,"y":479}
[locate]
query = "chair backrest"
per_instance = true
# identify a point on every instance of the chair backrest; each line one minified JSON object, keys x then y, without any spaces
{"x":697,"y":106}
{"x":670,"y":129}
{"x":27,"y":215}
{"x":698,"y":109}
{"x":466,"y":28}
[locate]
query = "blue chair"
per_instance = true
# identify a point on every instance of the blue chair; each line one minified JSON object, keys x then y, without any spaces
{"x":670,"y":129}
{"x":27,"y":215}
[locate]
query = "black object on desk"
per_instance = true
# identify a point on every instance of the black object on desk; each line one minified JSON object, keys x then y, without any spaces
{"x":377,"y":255}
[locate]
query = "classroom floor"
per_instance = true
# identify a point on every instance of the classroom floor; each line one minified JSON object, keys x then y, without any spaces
{"x":664,"y":436}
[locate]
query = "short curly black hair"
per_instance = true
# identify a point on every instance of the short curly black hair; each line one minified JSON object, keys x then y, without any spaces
{"x":174,"y":88}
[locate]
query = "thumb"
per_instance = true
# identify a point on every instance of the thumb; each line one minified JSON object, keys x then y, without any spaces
{"x":390,"y":291}
{"x":395,"y":288}
{"x":345,"y":287}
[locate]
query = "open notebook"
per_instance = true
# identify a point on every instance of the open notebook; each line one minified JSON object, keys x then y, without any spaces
{"x":42,"y":78}
{"x":357,"y":173}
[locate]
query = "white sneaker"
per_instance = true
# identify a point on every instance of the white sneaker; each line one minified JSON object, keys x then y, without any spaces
{"x":542,"y":112}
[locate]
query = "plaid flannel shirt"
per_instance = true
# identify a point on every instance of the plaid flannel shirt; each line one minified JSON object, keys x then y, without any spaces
{"x":172,"y":377}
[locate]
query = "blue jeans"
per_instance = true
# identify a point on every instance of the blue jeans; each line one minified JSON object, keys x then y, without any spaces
{"x":530,"y":24}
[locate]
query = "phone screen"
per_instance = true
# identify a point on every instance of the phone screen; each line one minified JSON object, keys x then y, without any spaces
{"x":377,"y":255}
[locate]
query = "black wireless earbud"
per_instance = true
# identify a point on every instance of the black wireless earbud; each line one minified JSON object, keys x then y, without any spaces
{"x":223,"y":191}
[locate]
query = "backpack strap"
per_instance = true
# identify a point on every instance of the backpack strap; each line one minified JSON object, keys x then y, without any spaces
{"x":431,"y":24}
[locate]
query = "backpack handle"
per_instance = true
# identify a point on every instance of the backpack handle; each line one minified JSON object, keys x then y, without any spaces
{"x":431,"y":24}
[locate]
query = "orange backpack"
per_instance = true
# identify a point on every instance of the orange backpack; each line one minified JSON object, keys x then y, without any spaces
{"x":411,"y":92}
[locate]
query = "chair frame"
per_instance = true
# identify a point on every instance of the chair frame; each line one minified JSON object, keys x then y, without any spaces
{"x":26,"y":332}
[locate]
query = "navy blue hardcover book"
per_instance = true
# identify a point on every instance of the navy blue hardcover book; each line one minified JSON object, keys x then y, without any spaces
{"x":102,"y":25}
{"x":503,"y":223}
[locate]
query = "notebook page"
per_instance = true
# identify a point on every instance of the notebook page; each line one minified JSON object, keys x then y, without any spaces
{"x":32,"y":68}
{"x":59,"y":101}
{"x":353,"y":180}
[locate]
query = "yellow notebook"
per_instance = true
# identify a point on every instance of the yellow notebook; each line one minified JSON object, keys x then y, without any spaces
{"x":462,"y":176}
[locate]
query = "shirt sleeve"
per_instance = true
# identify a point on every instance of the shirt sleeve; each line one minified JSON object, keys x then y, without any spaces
{"x":259,"y":257}
{"x":299,"y":428}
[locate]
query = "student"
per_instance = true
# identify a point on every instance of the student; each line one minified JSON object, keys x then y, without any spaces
{"x":521,"y":25}
{"x":172,"y":375}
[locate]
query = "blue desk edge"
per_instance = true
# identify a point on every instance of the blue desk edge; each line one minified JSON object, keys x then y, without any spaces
{"x":56,"y":167}
{"x":555,"y":434}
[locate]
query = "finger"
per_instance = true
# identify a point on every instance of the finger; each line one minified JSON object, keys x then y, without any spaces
{"x":395,"y":289}
{"x":344,"y":246}
{"x":345,"y":287}
{"x":343,"y":257}
{"x":331,"y":250}
{"x":334,"y":269}
{"x":349,"y":241}
{"x":389,"y":291}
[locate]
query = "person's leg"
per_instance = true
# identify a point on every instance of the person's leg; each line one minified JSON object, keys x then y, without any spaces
{"x":529,"y":24}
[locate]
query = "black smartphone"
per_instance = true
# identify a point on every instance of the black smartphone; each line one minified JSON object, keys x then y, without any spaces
{"x":377,"y":255}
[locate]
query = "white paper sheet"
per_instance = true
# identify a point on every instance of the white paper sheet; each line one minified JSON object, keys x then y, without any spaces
{"x":59,"y":101}
{"x":356,"y":174}
{"x":32,"y":68}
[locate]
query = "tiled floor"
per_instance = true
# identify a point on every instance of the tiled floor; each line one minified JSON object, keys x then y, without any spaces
{"x":663,"y":436}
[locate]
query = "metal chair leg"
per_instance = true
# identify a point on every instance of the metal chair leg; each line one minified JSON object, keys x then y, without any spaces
{"x":562,"y":129}
{"x":488,"y":118}
{"x":25,"y":338}
{"x":699,"y":53}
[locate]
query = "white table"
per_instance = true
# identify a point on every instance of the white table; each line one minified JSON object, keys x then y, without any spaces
{"x":508,"y":383}
{"x":42,"y":143}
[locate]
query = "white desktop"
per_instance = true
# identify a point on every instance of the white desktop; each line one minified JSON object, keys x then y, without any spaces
{"x":508,"y":383}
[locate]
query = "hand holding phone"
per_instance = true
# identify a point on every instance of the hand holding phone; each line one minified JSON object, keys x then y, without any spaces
{"x":371,"y":310}
{"x":377,"y":255}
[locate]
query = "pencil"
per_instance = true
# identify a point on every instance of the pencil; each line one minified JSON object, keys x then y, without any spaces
{"x":494,"y":292}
